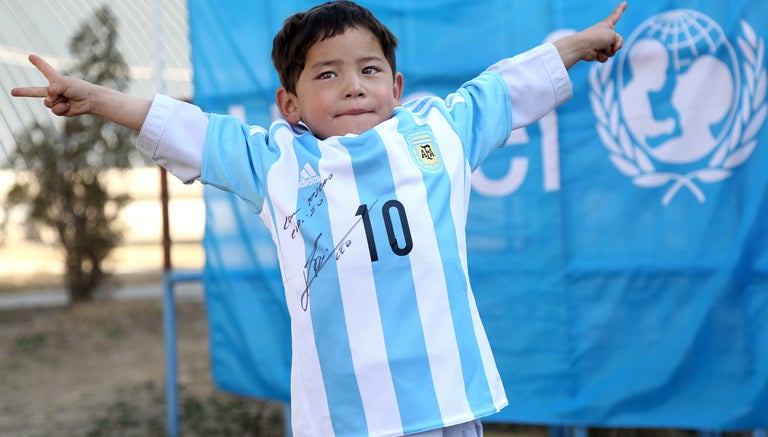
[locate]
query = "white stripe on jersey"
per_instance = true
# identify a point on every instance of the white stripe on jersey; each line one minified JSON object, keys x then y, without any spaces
{"x":420,"y":107}
{"x":309,"y":404}
{"x":453,"y":158}
{"x":434,"y":308}
{"x":359,"y":296}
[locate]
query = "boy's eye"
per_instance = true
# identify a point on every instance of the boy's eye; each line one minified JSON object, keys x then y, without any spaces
{"x":371,"y":70}
{"x":326,"y":75}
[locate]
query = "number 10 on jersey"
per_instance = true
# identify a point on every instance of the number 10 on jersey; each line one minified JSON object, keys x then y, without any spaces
{"x":389,"y":208}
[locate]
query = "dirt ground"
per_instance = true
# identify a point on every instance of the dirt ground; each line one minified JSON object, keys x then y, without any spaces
{"x":98,"y":369}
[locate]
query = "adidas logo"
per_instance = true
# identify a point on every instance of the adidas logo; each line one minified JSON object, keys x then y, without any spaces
{"x":308,"y":176}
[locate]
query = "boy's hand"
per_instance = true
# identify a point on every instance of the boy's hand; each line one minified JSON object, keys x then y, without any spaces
{"x":64,"y":95}
{"x":596,"y":43}
{"x":69,"y":96}
{"x":605,"y":41}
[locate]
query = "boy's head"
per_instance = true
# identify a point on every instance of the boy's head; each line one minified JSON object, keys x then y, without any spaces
{"x":337,"y":70}
{"x":303,"y":30}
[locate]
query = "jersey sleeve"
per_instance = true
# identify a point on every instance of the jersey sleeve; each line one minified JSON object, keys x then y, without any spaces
{"x":511,"y":94}
{"x":173,"y":135}
{"x":218,"y":150}
{"x":237,"y":158}
{"x":537,"y":82}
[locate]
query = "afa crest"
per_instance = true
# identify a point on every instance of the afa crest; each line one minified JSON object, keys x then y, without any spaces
{"x":424,"y":150}
{"x":682,"y":105}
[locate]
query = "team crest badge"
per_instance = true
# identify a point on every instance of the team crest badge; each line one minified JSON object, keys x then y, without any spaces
{"x":681,"y":105}
{"x":424,"y":151}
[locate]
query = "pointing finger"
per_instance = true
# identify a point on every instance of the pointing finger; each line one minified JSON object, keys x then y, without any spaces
{"x":49,"y":72}
{"x":30,"y":91}
{"x":614,"y":17}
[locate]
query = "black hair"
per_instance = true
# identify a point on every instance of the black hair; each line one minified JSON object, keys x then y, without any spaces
{"x":304,"y":29}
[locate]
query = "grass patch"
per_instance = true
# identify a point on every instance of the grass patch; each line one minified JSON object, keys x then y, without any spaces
{"x":141,"y":412}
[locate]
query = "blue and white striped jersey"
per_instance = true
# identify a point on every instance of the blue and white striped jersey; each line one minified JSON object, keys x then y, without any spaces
{"x":370,"y":237}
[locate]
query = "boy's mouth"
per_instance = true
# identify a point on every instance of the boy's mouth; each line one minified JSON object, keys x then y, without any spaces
{"x":355,"y":111}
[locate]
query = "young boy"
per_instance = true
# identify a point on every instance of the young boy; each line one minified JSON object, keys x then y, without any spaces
{"x":366,"y":200}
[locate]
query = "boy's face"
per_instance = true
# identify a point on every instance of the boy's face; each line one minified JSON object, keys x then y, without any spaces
{"x":346,"y":86}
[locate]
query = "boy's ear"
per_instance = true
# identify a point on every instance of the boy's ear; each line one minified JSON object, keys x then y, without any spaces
{"x":397,"y":90}
{"x":286,"y":103}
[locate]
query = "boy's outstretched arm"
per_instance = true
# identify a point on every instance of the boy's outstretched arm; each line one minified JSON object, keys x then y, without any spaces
{"x":68,"y":96}
{"x":596,"y":43}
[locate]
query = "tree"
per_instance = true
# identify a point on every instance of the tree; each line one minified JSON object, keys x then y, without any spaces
{"x":60,"y":172}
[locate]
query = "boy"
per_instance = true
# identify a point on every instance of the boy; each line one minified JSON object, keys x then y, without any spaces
{"x":366,"y":201}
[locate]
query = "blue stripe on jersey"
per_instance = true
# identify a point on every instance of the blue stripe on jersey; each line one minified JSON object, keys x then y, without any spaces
{"x":419,"y":104}
{"x":402,"y":328}
{"x":328,"y":321}
{"x":438,"y":188}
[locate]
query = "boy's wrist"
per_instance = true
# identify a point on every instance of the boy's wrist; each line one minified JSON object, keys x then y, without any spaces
{"x":95,"y":99}
{"x":571,"y":49}
{"x":120,"y":108}
{"x":98,"y":100}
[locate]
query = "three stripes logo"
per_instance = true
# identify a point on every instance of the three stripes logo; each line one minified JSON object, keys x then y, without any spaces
{"x":308,"y":176}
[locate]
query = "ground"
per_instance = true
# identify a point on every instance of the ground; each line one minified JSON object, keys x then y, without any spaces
{"x":98,"y":369}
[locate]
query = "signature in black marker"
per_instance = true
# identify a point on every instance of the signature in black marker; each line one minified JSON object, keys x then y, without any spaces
{"x":314,"y":200}
{"x":318,"y":259}
{"x":294,"y":220}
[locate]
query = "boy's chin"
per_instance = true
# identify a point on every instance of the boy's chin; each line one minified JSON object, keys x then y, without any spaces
{"x":348,"y":129}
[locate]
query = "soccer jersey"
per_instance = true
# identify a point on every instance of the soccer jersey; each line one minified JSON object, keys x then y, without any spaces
{"x":370,"y":236}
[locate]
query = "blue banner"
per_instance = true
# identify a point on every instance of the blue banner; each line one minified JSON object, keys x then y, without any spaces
{"x":618,"y":247}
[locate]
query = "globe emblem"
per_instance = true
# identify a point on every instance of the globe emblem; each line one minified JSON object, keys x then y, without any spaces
{"x":678,"y":108}
{"x":678,"y":86}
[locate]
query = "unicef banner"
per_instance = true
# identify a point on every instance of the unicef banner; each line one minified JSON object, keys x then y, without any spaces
{"x":618,"y":247}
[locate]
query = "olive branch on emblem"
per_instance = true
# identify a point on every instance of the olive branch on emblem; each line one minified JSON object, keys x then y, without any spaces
{"x":633,"y":162}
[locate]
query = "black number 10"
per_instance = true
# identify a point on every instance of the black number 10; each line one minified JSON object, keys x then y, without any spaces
{"x":386,"y":211}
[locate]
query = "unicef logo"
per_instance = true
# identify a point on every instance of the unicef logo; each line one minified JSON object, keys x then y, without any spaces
{"x":679,"y":106}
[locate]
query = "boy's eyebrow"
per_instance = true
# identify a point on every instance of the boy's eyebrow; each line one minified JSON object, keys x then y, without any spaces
{"x":336,"y":62}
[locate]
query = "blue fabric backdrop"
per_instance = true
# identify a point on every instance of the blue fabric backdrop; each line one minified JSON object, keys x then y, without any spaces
{"x":618,"y":248}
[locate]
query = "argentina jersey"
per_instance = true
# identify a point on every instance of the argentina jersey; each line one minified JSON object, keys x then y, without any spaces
{"x":370,"y":229}
{"x":370,"y":235}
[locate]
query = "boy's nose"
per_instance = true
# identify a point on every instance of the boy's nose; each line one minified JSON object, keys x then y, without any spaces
{"x":357,"y":92}
{"x":354,"y":88}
